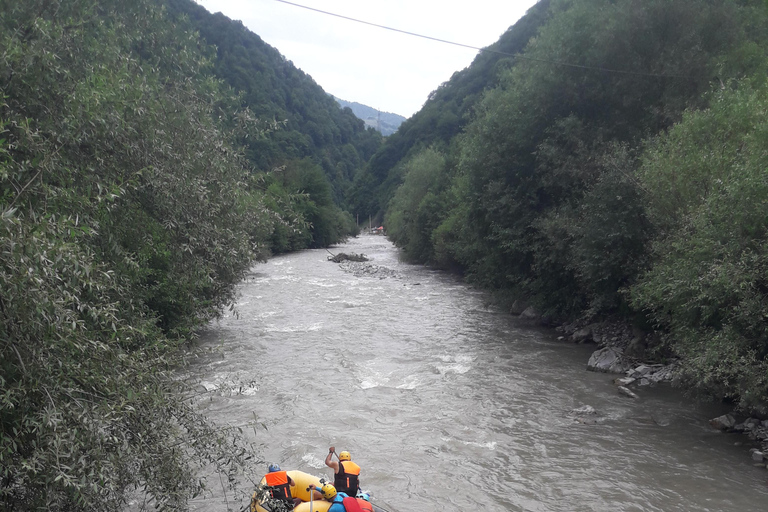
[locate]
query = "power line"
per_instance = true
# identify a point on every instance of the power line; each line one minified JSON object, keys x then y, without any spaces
{"x":487,"y":50}
{"x":380,"y":26}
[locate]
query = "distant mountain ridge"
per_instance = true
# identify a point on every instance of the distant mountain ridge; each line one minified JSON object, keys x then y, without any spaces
{"x":385,"y":122}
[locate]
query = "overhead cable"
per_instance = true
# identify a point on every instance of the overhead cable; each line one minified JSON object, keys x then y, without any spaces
{"x":486,"y":50}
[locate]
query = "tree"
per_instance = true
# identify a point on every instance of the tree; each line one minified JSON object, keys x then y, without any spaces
{"x":123,"y":226}
{"x":707,"y":289}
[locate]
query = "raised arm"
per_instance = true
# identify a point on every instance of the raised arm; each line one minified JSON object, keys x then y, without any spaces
{"x":329,"y":460}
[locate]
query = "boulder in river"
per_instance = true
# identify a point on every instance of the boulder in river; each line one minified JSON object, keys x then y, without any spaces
{"x":584,"y":409}
{"x":607,"y":360}
{"x":517,"y":308}
{"x":724,"y":422}
{"x":338,"y":258}
{"x":627,"y":392}
{"x":586,"y":415}
{"x":624,"y":381}
{"x":530,"y":314}
{"x":583,"y":335}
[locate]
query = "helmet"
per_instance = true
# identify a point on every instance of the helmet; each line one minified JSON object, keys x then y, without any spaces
{"x":273,"y":467}
{"x":345,"y":456}
{"x":328,"y":491}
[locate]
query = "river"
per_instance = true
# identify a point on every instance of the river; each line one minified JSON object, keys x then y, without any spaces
{"x":447,"y":403}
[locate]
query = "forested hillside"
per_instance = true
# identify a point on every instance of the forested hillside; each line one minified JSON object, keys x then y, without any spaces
{"x":614,"y":169}
{"x":443,"y":116}
{"x":274,"y":89}
{"x":136,"y":189}
{"x":606,"y":160}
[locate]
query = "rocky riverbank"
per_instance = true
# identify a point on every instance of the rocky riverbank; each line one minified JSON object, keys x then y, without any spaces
{"x":622,"y":350}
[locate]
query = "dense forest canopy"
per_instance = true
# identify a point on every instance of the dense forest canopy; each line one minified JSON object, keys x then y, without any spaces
{"x":274,"y":89}
{"x":589,"y":177}
{"x":139,"y":181}
{"x":606,"y":160}
{"x":443,"y":116}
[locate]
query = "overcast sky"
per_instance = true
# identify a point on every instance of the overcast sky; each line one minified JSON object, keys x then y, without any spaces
{"x":387,"y":70}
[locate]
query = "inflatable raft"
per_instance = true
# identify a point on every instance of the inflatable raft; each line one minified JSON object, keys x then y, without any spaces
{"x":301,"y":490}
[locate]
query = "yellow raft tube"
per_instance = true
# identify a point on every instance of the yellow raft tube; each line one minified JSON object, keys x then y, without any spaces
{"x":300,"y":490}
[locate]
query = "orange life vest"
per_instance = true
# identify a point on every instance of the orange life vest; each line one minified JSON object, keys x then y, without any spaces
{"x":278,"y":480}
{"x":347,"y":480}
{"x":365,"y":506}
{"x":351,"y":504}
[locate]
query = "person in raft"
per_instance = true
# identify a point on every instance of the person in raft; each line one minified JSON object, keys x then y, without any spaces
{"x":341,"y":502}
{"x":280,"y":484}
{"x":346,"y":476}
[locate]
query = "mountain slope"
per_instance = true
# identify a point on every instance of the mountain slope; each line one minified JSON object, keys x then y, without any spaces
{"x":273,"y":88}
{"x":445,"y":113}
{"x":385,"y":122}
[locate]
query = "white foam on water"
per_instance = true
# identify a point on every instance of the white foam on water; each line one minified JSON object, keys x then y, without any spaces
{"x":453,"y":368}
{"x":250,"y":391}
{"x":294,"y":328}
{"x":455,"y":363}
{"x":410,"y":382}
{"x":373,"y":379}
{"x":324,"y":284}
{"x":313,"y":461}
{"x":209,"y":386}
{"x":490,"y":445}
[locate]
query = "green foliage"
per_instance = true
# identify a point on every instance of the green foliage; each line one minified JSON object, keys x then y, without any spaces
{"x":600,"y":240}
{"x":273,"y":88}
{"x":543,"y":174}
{"x":708,"y":285}
{"x":301,"y":193}
{"x":417,"y":207}
{"x":445,"y":113}
{"x":124,"y":225}
{"x":557,"y":196}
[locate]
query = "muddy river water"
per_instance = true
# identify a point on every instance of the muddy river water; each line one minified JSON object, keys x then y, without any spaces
{"x":447,"y":403}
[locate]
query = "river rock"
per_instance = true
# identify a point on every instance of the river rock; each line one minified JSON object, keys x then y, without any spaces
{"x":607,"y":360}
{"x":584,"y":409}
{"x":640,"y":372}
{"x":637,"y":346}
{"x":530,"y":314}
{"x":518,"y":307}
{"x":627,"y":392}
{"x":583,"y":335}
{"x":757,"y":456}
{"x":661,"y":375}
{"x":624,"y":381}
{"x":724,"y":422}
{"x":586,"y":415}
{"x":367,"y":269}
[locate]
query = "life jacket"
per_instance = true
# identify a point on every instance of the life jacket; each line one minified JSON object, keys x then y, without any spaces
{"x":365,"y":505}
{"x":351,"y":504}
{"x":278,"y":481}
{"x":347,"y":480}
{"x":337,"y":503}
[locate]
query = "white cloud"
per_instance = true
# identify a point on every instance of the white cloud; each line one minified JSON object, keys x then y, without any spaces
{"x":387,"y":70}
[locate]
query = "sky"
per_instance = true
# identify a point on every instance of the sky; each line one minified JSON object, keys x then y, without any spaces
{"x":386,"y":70}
